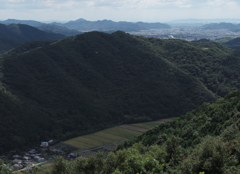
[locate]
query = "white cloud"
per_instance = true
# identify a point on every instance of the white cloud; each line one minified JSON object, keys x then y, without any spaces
{"x":128,"y":10}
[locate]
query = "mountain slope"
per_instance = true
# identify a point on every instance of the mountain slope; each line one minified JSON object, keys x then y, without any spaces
{"x":58,"y":29}
{"x":234,"y":43}
{"x":89,"y":82}
{"x":206,"y":140}
{"x":211,"y":63}
{"x":26,"y":22}
{"x":7,"y":44}
{"x":15,"y":34}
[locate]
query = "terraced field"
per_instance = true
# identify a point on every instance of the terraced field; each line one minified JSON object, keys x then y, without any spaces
{"x":111,"y":136}
{"x":147,"y":125}
{"x":102,"y":138}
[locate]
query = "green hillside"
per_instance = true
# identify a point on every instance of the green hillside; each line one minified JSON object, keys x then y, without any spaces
{"x":206,"y":140}
{"x":15,"y":34}
{"x":7,"y":44}
{"x":234,"y":43}
{"x":89,"y":82}
{"x":58,"y":29}
{"x":223,"y":40}
{"x":216,"y":66}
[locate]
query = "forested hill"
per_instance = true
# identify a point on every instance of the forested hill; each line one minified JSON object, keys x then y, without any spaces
{"x":15,"y":34}
{"x":89,"y":82}
{"x":206,"y":140}
{"x":234,"y":43}
{"x":211,"y":63}
{"x":58,"y":29}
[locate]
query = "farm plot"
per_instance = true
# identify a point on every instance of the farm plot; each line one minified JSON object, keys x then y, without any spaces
{"x":102,"y":138}
{"x":149,"y":125}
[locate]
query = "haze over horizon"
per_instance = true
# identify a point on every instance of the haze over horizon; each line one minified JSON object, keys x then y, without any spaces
{"x":125,"y":10}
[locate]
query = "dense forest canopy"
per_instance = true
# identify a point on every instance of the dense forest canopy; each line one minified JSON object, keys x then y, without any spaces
{"x":57,"y":90}
{"x":206,"y":140}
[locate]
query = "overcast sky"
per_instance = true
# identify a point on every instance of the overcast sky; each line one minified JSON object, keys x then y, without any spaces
{"x":118,"y":10}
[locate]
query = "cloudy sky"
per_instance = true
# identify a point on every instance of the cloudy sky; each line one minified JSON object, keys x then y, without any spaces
{"x":118,"y":10}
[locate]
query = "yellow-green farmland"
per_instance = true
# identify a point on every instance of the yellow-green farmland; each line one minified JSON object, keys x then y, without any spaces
{"x":145,"y":125}
{"x":102,"y":138}
{"x":112,"y":135}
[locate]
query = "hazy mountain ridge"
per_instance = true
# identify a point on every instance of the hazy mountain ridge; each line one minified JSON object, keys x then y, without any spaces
{"x":84,"y":25}
{"x":14,"y":34}
{"x":26,"y":22}
{"x":58,"y":29}
{"x":222,"y":25}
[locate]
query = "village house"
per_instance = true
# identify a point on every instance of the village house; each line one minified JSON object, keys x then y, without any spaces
{"x":36,"y":158}
{"x":32,"y":151}
{"x":26,"y":158}
{"x":33,"y":155}
{"x":16,"y":156}
{"x":17,"y":161}
{"x":44,"y":144}
{"x":50,"y":141}
{"x":72,"y":155}
{"x":17,"y":166}
{"x":40,"y":160}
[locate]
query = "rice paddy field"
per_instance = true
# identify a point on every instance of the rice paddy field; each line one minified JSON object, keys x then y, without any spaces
{"x":147,"y":125}
{"x":101,"y":138}
{"x":111,"y":135}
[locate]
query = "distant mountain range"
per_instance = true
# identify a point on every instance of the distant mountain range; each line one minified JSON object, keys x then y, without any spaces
{"x":58,"y":29}
{"x":27,"y":22}
{"x":222,"y":25}
{"x":205,"y":20}
{"x":84,"y":25}
{"x":108,"y":25}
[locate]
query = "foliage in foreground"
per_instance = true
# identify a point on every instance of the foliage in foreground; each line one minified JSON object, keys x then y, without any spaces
{"x":4,"y":169}
{"x":215,"y":155}
{"x":205,"y":140}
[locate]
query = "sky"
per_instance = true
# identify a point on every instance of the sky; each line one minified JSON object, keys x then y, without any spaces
{"x":118,"y":10}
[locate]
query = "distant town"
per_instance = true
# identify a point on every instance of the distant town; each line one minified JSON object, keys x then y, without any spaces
{"x":187,"y":33}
